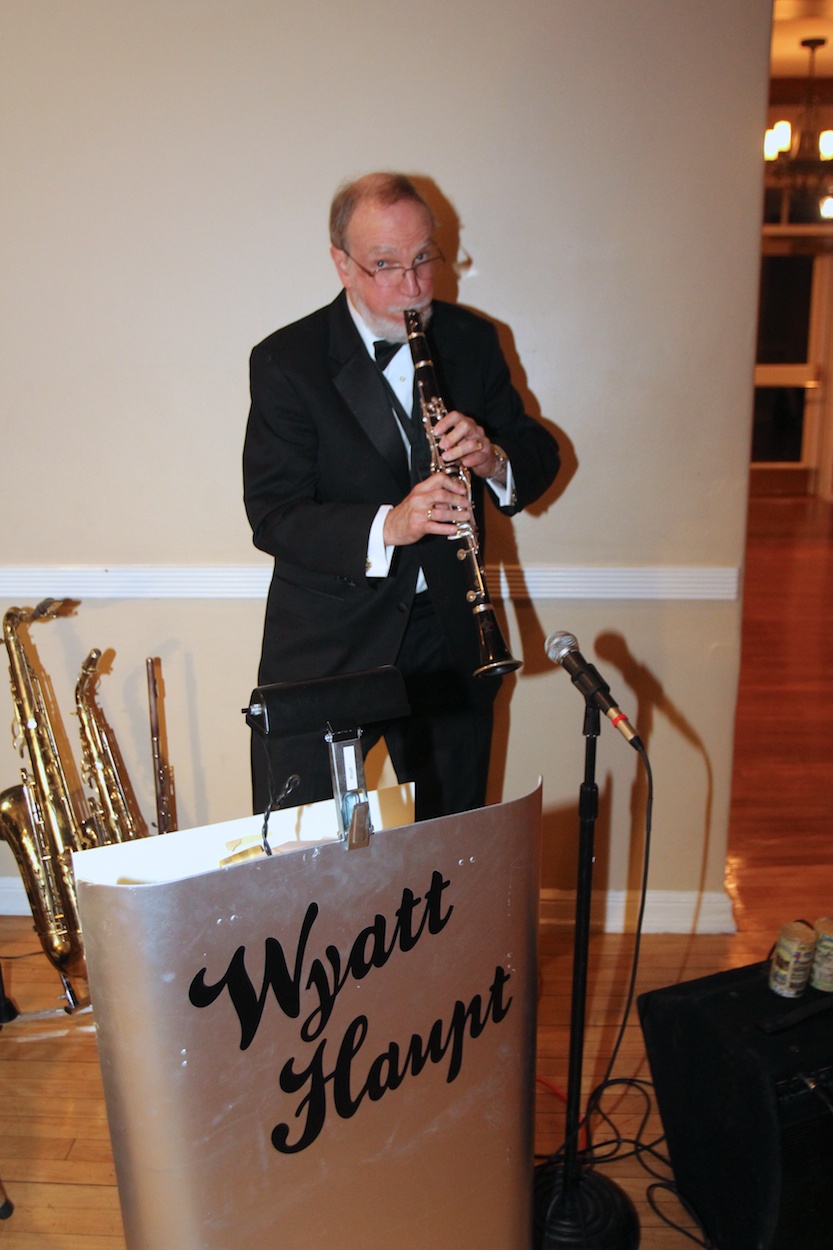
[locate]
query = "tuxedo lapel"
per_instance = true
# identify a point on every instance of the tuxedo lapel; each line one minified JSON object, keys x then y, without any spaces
{"x":362,"y":388}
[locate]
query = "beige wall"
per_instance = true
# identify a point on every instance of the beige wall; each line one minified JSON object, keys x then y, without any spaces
{"x":167,"y":168}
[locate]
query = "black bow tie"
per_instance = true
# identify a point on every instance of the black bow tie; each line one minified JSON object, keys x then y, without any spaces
{"x":385,"y":352}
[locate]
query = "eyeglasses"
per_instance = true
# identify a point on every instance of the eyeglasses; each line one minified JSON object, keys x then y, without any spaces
{"x":389,"y":275}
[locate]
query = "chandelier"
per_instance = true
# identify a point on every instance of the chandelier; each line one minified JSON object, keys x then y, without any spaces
{"x":799,"y":165}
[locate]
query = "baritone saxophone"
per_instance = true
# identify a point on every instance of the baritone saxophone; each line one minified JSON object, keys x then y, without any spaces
{"x":38,"y":817}
{"x":41,"y":819}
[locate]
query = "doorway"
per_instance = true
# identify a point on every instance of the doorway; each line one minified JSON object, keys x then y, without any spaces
{"x":792,"y":433}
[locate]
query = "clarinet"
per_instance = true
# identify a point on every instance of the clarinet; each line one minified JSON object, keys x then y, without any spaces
{"x":494,"y":657}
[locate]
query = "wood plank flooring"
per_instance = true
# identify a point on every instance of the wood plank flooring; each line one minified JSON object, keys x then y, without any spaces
{"x":55,"y":1158}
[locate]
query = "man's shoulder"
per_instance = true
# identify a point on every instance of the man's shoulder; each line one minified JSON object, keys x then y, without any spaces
{"x":455,"y":319}
{"x":445,"y":313}
{"x":307,"y":334}
{"x":454,"y":327}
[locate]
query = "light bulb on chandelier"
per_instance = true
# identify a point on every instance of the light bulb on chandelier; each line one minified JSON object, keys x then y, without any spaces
{"x":796,"y":157}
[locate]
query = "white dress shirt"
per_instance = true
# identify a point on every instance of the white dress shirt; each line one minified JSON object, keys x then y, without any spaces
{"x":399,"y":374}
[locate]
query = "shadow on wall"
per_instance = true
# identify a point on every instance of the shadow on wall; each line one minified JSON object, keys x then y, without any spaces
{"x":447,"y":235}
{"x":502,"y":543}
{"x":561,"y":824}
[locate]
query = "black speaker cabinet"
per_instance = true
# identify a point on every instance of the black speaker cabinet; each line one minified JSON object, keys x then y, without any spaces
{"x":749,"y":1138}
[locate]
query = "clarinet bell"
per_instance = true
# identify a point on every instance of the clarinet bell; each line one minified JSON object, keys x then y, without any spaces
{"x":494,"y":657}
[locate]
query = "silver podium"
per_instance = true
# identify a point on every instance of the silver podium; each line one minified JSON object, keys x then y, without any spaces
{"x":324,"y":1049}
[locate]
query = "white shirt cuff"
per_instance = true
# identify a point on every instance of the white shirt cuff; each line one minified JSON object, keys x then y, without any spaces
{"x":504,"y":492}
{"x":378,"y":555}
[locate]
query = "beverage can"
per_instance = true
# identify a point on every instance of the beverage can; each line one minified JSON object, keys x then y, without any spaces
{"x":792,"y":959}
{"x":821,"y":974}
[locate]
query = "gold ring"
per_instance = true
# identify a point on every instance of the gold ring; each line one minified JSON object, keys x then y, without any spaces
{"x":479,"y":445}
{"x":428,"y":514}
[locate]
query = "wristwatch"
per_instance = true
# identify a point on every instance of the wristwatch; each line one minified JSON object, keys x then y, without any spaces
{"x":502,"y":461}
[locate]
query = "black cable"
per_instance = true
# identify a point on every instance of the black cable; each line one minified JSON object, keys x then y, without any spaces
{"x":619,"y":1147}
{"x":646,"y":857}
{"x":545,"y":1171}
{"x":640,"y":1150}
{"x":646,"y":860}
{"x":668,"y":1187}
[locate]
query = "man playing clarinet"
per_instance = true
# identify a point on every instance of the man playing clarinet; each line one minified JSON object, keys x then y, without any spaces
{"x":338,"y":491}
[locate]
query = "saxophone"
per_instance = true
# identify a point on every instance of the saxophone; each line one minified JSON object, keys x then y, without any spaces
{"x":38,"y":818}
{"x":494,"y":657}
{"x":114,"y":809}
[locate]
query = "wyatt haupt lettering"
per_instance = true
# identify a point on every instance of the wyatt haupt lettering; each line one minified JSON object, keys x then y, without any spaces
{"x":374,"y":945}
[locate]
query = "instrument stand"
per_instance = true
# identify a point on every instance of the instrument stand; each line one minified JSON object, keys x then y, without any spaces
{"x":580,"y":1209}
{"x":8,"y":1011}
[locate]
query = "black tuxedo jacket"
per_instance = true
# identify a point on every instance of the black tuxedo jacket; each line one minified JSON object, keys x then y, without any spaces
{"x":323,"y":452}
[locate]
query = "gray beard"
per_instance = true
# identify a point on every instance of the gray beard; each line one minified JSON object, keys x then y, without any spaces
{"x":392,"y":328}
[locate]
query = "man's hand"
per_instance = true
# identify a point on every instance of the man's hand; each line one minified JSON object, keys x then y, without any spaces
{"x":435,"y":506}
{"x":462,"y":440}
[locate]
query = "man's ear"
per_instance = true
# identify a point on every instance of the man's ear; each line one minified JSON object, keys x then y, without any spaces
{"x":341,"y":261}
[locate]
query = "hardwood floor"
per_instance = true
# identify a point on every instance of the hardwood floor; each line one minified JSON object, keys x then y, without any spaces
{"x":55,"y":1157}
{"x":780,"y":857}
{"x":780,"y":849}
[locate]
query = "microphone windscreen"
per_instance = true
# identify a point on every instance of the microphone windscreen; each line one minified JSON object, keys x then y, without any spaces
{"x":558,"y":645}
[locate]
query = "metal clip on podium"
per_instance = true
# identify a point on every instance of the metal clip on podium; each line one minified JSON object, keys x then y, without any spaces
{"x":336,"y":707}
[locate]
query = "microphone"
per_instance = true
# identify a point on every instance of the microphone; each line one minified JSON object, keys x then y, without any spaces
{"x":563,"y":649}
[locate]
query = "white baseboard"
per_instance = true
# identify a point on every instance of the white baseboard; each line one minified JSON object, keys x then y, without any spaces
{"x":13,"y":900}
{"x":666,"y":911}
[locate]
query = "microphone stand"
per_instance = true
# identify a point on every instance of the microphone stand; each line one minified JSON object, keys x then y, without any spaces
{"x":582,"y":1209}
